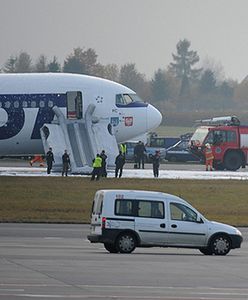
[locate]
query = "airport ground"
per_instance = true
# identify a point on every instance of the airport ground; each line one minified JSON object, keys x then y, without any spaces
{"x":52,"y":261}
{"x":56,"y":261}
{"x":165,"y":165}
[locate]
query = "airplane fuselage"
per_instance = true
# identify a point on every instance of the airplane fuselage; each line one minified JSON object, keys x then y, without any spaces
{"x":27,"y":101}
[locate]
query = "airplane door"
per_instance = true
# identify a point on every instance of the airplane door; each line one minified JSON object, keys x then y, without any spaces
{"x":74,"y":105}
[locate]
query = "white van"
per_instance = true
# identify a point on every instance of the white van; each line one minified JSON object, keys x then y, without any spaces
{"x":124,"y":219}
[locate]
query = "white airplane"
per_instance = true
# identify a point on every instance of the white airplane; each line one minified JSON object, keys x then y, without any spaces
{"x":33,"y":105}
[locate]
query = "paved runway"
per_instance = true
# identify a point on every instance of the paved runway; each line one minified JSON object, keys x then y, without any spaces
{"x":51,"y":261}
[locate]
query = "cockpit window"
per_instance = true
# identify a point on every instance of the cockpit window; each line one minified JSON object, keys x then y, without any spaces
{"x":125,"y":99}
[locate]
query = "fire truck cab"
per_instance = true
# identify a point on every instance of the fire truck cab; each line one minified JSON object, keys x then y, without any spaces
{"x":228,"y":139}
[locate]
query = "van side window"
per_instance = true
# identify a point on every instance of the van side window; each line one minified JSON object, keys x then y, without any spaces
{"x":181,"y":212}
{"x":151,"y":209}
{"x":139,"y":208}
{"x":124,"y":207}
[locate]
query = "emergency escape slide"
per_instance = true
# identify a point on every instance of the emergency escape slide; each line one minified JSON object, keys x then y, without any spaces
{"x":83,"y":139}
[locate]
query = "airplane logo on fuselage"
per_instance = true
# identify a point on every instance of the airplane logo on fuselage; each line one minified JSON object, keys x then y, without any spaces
{"x":16,"y":107}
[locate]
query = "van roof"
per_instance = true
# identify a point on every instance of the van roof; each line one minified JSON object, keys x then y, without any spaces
{"x":141,"y":193}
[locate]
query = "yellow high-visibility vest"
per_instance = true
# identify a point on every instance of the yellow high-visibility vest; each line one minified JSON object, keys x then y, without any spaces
{"x":123,"y":148}
{"x":97,"y":162}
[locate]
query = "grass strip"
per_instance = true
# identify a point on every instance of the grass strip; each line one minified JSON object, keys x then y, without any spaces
{"x":69,"y":199}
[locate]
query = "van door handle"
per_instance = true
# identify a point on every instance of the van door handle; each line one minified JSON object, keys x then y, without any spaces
{"x":174,"y":226}
{"x":162,"y":225}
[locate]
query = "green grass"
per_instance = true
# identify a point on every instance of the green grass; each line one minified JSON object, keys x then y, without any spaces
{"x":69,"y":200}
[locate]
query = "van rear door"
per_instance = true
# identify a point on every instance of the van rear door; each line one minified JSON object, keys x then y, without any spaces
{"x":96,"y":216}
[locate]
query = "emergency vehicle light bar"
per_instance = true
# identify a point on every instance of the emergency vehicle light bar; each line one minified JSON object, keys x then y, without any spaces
{"x":227,"y":120}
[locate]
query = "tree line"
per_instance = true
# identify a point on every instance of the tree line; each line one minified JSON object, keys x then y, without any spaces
{"x":180,"y":86}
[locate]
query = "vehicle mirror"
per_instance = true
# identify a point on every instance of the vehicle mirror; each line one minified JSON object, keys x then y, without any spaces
{"x":199,"y":219}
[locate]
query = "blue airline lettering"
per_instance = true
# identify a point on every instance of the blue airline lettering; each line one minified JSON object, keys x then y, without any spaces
{"x":15,"y":105}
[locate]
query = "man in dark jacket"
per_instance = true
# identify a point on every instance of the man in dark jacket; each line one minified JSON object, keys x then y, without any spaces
{"x":156,"y":163}
{"x":50,"y":160}
{"x":66,"y":163}
{"x":104,"y":163}
{"x":119,"y":163}
{"x":139,"y":154}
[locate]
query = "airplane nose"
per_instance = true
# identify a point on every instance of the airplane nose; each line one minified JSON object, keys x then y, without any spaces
{"x":154,"y":117}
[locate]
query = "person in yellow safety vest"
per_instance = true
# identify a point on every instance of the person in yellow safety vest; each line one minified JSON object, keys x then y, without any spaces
{"x":209,"y":157}
{"x":97,"y":167}
{"x":123,"y":149}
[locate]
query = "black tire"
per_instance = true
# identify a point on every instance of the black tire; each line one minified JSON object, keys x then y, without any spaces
{"x":206,"y":251}
{"x":110,"y":248}
{"x":233,"y":161}
{"x":220,"y":244}
{"x":126,"y":243}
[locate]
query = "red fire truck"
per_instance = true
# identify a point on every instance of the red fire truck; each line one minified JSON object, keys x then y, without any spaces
{"x":229,"y":141}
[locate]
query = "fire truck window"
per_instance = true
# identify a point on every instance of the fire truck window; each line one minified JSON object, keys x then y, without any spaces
{"x":231,"y":136}
{"x":219,"y":137}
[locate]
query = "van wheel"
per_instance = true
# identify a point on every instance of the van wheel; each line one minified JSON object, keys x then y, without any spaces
{"x":126,"y":243}
{"x":110,"y":248}
{"x":206,"y":251}
{"x":220,"y":244}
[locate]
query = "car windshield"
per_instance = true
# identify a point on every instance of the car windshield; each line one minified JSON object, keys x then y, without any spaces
{"x":200,"y":134}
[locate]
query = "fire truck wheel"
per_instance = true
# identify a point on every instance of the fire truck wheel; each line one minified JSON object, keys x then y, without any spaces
{"x":233,"y":161}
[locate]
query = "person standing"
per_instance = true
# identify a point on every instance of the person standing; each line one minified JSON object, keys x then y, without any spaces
{"x":66,"y":163}
{"x":119,"y":164}
{"x":139,"y":154}
{"x":104,"y":163}
{"x":97,"y":167}
{"x":156,"y":163}
{"x":209,"y":157}
{"x":50,"y":160}
{"x":123,"y":149}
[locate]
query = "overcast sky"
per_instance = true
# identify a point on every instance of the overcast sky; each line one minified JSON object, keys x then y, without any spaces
{"x":144,"y":32}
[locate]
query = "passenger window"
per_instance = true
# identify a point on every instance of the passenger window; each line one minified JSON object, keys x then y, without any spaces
{"x":124,"y":207}
{"x":145,"y":209}
{"x":151,"y":209}
{"x":181,"y":212}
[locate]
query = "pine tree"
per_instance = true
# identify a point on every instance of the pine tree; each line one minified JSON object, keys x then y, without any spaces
{"x":182,"y":68}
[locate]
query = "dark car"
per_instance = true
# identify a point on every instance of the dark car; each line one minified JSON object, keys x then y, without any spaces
{"x":150,"y":151}
{"x":179,"y":152}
